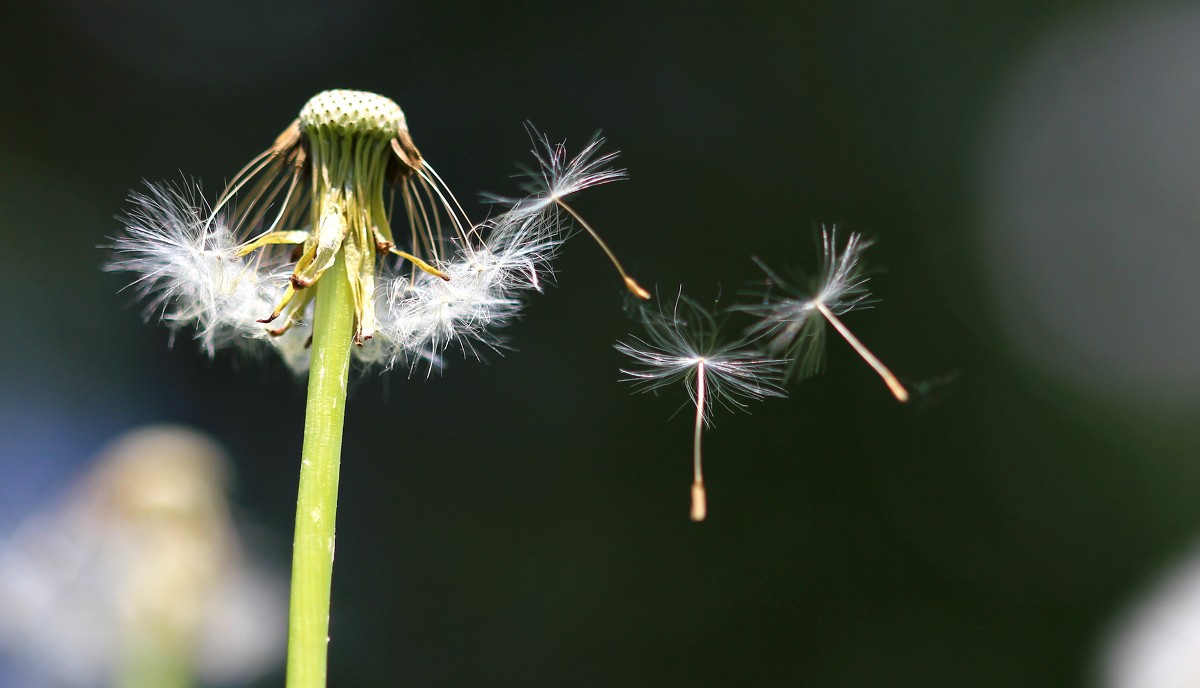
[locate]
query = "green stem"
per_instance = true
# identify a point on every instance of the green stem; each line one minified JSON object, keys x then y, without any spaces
{"x":316,"y":504}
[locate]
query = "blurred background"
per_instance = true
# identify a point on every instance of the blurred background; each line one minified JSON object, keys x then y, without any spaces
{"x":1029,"y":171}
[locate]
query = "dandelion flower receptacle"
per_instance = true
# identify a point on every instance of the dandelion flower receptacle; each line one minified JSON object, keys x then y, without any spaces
{"x":793,"y":321}
{"x":299,"y":254}
{"x":682,"y":345}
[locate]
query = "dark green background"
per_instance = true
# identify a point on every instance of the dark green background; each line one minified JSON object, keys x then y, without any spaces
{"x":524,"y":522}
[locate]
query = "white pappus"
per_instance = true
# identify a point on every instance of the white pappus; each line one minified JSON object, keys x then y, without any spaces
{"x":681,"y":345}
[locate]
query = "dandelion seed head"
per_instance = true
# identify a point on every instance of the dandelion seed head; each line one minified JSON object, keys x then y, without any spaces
{"x":256,"y":255}
{"x":794,"y":322}
{"x":681,"y":344}
{"x":788,"y":315}
{"x":559,"y":176}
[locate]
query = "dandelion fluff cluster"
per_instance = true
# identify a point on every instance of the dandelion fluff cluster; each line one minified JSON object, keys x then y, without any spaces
{"x":421,"y":315}
{"x":190,"y":271}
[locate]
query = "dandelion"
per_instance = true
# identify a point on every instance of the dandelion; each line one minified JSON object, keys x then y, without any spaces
{"x":138,"y":575}
{"x":299,"y":253}
{"x":683,"y":345}
{"x":794,"y":322}
{"x":258,"y":255}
